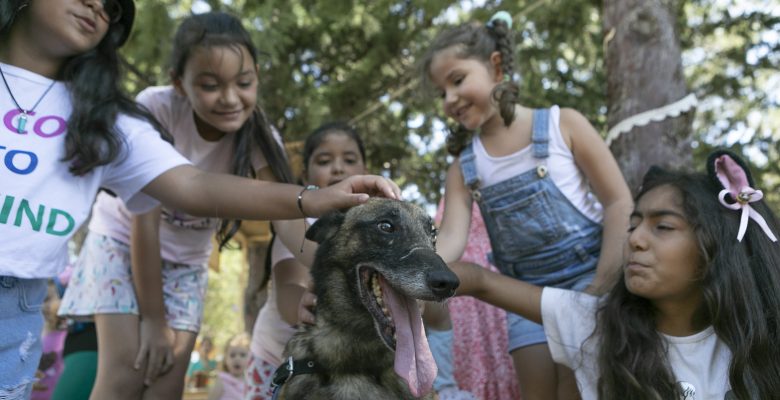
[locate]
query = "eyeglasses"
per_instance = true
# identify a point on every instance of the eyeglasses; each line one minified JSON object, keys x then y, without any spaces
{"x":111,"y":12}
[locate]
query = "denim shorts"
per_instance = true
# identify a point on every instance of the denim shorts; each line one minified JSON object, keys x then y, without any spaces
{"x":21,"y":324}
{"x":523,"y":332}
{"x":102,"y":283}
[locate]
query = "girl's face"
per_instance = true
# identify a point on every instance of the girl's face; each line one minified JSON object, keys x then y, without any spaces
{"x":221,"y":85}
{"x":336,"y":158}
{"x":465,"y":85}
{"x":664,"y":263}
{"x":236,"y":360}
{"x":63,"y":28}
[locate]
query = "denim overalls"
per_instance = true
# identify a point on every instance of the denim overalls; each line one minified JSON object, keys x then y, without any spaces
{"x":536,"y":234}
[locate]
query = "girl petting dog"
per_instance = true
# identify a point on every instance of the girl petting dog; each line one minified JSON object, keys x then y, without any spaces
{"x":331,"y":153}
{"x":696,"y":310}
{"x":68,"y":130}
{"x":143,"y":277}
{"x":530,"y":171}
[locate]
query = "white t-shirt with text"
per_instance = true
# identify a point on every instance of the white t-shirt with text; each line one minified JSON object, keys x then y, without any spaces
{"x":41,"y":203}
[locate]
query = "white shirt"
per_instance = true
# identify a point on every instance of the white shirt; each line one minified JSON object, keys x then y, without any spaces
{"x":41,"y":203}
{"x":700,"y":362}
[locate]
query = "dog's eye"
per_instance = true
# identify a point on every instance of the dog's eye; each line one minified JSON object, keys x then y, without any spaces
{"x":434,"y":234}
{"x":386,"y":227}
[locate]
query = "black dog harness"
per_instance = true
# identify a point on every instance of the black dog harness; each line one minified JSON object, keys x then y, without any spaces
{"x":289,"y":369}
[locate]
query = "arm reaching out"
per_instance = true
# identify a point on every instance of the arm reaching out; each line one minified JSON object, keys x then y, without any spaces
{"x":501,"y":291}
{"x":203,"y":193}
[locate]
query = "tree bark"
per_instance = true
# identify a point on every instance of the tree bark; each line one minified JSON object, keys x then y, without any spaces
{"x":644,"y":72}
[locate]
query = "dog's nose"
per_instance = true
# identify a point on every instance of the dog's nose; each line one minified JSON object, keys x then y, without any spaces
{"x":442,"y":282}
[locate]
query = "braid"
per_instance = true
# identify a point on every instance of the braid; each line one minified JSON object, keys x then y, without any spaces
{"x":457,"y":140}
{"x":506,"y":93}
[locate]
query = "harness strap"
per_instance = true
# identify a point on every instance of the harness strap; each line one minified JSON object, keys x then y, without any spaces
{"x":289,"y":369}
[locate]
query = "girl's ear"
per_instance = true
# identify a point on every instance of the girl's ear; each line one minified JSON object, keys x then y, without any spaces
{"x":495,"y":63}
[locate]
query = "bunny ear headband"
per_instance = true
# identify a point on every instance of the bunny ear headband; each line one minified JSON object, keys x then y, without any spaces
{"x":731,"y":173}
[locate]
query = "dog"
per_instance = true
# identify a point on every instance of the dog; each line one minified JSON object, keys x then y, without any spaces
{"x":373,"y":263}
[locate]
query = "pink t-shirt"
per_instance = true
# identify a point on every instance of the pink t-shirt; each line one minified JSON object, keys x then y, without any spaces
{"x":184,"y":238}
{"x":232,"y":387}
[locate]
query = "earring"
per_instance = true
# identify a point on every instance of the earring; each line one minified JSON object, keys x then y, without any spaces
{"x":23,"y":5}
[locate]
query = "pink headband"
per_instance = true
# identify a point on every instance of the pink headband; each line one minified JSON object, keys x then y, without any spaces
{"x":736,"y":184}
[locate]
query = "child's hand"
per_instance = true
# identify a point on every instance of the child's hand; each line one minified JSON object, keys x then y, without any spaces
{"x":306,"y":308}
{"x":350,"y":192}
{"x":155,"y":349}
{"x":470,"y":276}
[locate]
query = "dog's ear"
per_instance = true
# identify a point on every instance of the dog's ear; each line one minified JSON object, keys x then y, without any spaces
{"x":325,"y":227}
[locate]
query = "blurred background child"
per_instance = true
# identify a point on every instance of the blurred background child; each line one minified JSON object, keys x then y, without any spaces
{"x":229,"y":382}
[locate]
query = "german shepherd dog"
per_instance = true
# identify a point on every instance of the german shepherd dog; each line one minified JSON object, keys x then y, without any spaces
{"x":373,"y":263}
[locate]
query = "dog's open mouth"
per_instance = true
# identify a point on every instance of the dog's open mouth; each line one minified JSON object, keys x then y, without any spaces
{"x":372,"y":296}
{"x":399,"y":324}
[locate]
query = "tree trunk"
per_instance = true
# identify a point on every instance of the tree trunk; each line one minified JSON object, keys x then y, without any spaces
{"x":644,"y":72}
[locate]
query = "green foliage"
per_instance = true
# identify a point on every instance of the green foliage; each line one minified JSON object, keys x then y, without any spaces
{"x":355,"y":60}
{"x":223,"y":308}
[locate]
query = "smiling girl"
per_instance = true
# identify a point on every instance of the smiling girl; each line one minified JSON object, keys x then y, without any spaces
{"x":143,"y":278}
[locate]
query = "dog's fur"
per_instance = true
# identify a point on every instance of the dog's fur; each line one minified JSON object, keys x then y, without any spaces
{"x":393,"y":239}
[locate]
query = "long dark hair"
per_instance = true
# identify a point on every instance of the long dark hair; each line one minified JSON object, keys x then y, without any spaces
{"x":94,"y":82}
{"x":217,"y":29}
{"x":741,"y":291}
{"x":478,"y":41}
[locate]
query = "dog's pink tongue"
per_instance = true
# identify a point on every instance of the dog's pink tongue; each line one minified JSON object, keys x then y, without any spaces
{"x":413,"y":358}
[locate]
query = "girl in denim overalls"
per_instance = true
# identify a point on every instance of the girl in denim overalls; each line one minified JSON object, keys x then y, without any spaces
{"x":531,"y":172}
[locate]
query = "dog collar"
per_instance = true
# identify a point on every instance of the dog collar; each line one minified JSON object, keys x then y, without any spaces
{"x":289,"y":369}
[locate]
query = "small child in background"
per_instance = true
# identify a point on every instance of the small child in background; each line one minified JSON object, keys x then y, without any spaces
{"x":229,"y":384}
{"x":202,"y":362}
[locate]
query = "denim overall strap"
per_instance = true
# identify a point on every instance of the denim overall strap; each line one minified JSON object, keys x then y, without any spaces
{"x":540,"y":138}
{"x":468,"y":167}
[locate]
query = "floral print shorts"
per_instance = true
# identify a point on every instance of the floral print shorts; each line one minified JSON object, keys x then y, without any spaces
{"x":102,"y":283}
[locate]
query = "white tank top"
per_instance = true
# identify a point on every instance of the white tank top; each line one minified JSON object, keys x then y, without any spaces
{"x":563,"y":171}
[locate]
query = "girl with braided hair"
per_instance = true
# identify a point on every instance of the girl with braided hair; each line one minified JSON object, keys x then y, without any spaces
{"x":531,"y":173}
